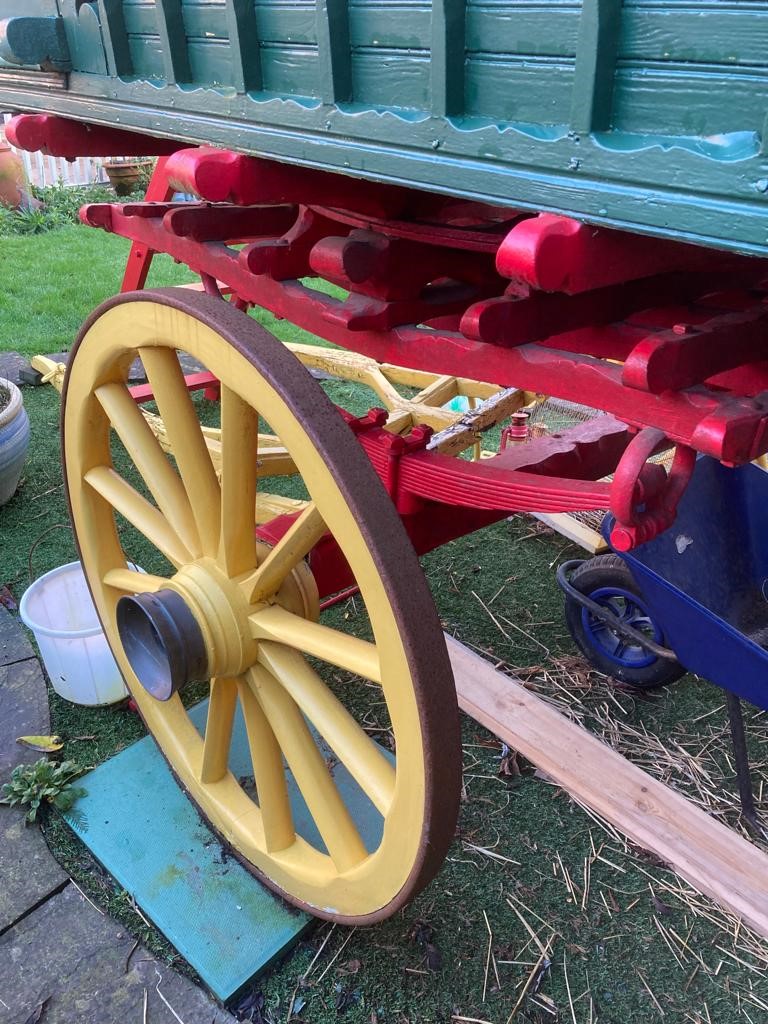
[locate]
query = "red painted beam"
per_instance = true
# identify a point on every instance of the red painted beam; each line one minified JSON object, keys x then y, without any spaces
{"x":558,"y":254}
{"x":58,"y":136}
{"x":688,"y":355}
{"x":730,"y":427}
{"x":221,"y":176}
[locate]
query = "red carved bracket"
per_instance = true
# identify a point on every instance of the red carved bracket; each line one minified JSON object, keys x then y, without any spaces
{"x":58,"y":136}
{"x":558,"y":254}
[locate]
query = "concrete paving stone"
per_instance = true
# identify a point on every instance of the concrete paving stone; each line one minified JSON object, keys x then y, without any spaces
{"x":14,"y":645}
{"x":11,"y":363}
{"x":28,"y":872}
{"x":69,"y":954}
{"x":136,"y":373}
{"x":23,"y":712}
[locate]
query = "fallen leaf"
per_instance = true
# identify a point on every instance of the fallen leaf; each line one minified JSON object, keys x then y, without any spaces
{"x":47,"y":744}
{"x":434,"y":957}
{"x":423,"y":933}
{"x":298,"y":1004}
{"x":660,"y":906}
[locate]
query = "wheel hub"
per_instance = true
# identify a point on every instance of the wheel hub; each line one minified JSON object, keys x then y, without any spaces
{"x":198,"y":626}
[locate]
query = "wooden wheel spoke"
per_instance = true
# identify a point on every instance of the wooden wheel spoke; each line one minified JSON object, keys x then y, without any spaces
{"x":148,"y":520}
{"x":132,"y":582}
{"x":347,"y":652}
{"x":268,"y":772}
{"x":366,"y":763}
{"x":239,"y":449}
{"x":330,"y":813}
{"x":151,"y":461}
{"x":294,"y":545}
{"x":187,"y":441}
{"x":218,"y":730}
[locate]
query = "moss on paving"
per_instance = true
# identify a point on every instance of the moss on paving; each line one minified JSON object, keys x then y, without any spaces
{"x":428,"y":963}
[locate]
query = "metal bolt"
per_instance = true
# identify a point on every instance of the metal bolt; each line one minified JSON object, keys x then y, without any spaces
{"x":762,"y":185}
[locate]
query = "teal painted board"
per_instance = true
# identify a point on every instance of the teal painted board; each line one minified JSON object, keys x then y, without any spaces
{"x":141,"y":827}
{"x":138,"y":823}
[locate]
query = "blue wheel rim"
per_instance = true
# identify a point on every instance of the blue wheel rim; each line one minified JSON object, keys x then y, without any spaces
{"x":612,"y":645}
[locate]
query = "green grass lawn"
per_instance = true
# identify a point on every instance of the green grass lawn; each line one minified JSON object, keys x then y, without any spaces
{"x":627,"y":947}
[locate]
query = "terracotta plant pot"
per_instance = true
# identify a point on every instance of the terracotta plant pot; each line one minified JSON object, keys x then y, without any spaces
{"x":124,"y":176}
{"x":14,"y":438}
{"x":11,"y":177}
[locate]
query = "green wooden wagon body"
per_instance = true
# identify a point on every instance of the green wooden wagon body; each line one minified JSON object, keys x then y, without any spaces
{"x":645,"y":115}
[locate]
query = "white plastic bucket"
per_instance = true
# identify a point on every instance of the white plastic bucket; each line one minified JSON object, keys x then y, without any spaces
{"x":60,"y":612}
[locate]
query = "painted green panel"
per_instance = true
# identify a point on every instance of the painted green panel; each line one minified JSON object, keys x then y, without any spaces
{"x":334,"y":59}
{"x":278,"y":23}
{"x":681,"y":99}
{"x":139,"y":18}
{"x":390,"y":79}
{"x":115,"y":37}
{"x":291,"y":70}
{"x":596,"y":49}
{"x":205,"y":20}
{"x":83,"y":32}
{"x":170,"y":26}
{"x":448,"y":56}
{"x":405,"y":27}
{"x":721,"y":33}
{"x":210,"y":61}
{"x":527,"y":90}
{"x":538,"y":30}
{"x":244,"y":53}
{"x":684,"y":156}
{"x":147,"y":56}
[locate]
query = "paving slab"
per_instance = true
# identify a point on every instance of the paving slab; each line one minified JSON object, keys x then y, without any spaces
{"x":28,"y":872}
{"x":137,"y":822}
{"x":77,"y":960}
{"x":14,"y":645}
{"x":23,"y":712}
{"x":136,"y":374}
{"x":11,"y":364}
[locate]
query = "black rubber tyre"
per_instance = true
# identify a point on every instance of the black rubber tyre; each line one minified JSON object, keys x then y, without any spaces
{"x":608,"y":580}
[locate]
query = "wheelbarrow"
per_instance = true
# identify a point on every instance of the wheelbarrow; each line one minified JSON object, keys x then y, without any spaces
{"x":693,"y":599}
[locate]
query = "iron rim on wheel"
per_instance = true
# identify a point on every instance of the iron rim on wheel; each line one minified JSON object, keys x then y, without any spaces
{"x":245,"y":616}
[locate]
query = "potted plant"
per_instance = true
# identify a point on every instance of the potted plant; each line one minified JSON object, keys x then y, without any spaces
{"x":126,"y":173}
{"x":14,"y":438}
{"x":11,"y":175}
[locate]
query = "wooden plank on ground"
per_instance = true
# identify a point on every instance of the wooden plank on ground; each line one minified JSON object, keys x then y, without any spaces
{"x":711,"y":857}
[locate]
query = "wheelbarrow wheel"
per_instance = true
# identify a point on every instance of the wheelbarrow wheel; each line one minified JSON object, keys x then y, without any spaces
{"x":607,"y":580}
{"x":326,"y":815}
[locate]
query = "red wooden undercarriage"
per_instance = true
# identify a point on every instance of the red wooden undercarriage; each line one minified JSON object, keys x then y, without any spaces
{"x":667,"y":338}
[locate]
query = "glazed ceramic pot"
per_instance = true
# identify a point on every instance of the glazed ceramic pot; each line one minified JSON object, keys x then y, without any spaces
{"x":11,"y":176}
{"x":125,"y":175}
{"x":14,"y":438}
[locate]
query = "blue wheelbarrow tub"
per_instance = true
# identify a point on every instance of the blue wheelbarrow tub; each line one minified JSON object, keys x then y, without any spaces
{"x":705,"y":579}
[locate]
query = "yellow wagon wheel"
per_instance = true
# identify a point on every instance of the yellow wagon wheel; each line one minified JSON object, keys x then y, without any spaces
{"x":244,"y":616}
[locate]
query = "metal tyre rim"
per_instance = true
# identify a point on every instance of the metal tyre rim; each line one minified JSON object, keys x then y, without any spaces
{"x":255,"y":618}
